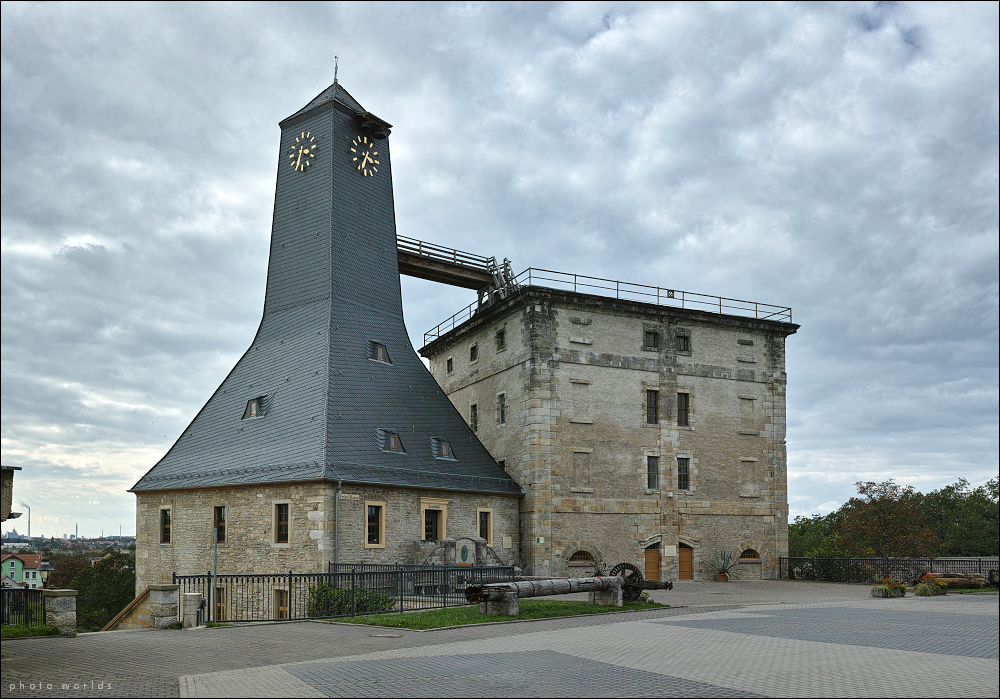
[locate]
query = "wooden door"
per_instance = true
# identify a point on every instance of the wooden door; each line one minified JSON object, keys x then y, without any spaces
{"x":653,"y":563}
{"x":685,"y":562}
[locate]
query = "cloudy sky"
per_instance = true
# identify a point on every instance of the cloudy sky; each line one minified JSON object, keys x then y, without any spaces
{"x":839,"y":159}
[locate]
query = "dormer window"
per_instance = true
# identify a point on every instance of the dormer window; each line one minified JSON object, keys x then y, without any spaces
{"x":379,"y":353}
{"x":441,"y":449}
{"x":391,"y":441}
{"x":257,"y":407}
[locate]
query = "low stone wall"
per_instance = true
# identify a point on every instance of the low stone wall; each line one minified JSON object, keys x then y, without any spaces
{"x":60,"y":610}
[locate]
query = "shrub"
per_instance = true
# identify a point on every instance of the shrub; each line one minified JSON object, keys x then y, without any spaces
{"x":924,"y":590}
{"x":327,"y":600}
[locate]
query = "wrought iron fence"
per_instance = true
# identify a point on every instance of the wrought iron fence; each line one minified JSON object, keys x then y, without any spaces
{"x":660,"y":296}
{"x":25,"y":607}
{"x":874,"y":570}
{"x":346,"y":590}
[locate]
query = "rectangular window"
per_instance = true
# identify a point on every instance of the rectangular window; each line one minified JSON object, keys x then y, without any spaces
{"x":683,"y":343}
{"x":451,"y":364}
{"x":652,"y":472}
{"x":432,"y":519}
{"x":501,"y":340}
{"x":683,"y":409}
{"x":651,"y":339}
{"x":281,"y":604}
{"x":486,"y":526}
{"x":165,"y":526}
{"x":474,"y":417}
{"x":502,"y":409}
{"x":375,"y":537}
{"x":683,"y":473}
{"x":281,"y":523}
{"x":220,"y":523}
{"x":445,"y":449}
{"x":473,"y":353}
{"x":652,"y":407}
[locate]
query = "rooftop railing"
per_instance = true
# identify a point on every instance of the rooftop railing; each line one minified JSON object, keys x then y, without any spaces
{"x":644,"y":293}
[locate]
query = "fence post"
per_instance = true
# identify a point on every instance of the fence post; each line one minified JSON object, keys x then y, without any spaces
{"x":352,"y":592}
{"x":212,"y":602}
{"x":291,"y":606}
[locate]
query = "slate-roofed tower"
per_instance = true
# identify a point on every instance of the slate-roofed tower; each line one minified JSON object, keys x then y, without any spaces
{"x":311,"y":399}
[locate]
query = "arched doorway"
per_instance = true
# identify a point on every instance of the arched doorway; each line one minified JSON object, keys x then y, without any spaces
{"x":685,"y":562}
{"x":653,"y":562}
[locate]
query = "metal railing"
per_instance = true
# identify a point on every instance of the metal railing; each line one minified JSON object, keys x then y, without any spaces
{"x":442,"y":254}
{"x":348,"y":589}
{"x":874,"y":570}
{"x":24,"y":607}
{"x":629,"y":291}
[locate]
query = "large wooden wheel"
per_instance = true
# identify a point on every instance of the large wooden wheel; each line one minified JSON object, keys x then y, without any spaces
{"x":634,"y":583}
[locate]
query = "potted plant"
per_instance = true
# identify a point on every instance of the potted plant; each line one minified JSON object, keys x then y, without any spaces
{"x":889,"y":587}
{"x":928,"y":586}
{"x":725,"y":565}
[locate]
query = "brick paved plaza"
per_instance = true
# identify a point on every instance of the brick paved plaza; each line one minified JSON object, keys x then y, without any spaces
{"x":763,"y":638}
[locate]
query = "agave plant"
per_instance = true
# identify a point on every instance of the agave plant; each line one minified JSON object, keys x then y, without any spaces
{"x":725,"y":563}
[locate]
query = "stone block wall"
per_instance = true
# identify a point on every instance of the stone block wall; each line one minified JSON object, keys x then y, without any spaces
{"x":582,"y":446}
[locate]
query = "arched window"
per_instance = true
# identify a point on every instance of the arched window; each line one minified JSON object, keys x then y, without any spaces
{"x":749,"y":556}
{"x":581,"y":558}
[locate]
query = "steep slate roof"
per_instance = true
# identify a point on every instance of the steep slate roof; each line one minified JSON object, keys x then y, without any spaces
{"x":332,"y":290}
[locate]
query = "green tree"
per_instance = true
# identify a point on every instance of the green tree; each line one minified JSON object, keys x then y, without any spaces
{"x":966,"y":520}
{"x":104,"y":589}
{"x":885,"y":521}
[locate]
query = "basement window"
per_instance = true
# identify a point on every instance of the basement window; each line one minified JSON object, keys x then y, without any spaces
{"x":379,"y":353}
{"x":581,"y":559}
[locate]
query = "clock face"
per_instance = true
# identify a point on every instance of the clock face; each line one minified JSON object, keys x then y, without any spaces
{"x":364,"y":156}
{"x":303,"y":151}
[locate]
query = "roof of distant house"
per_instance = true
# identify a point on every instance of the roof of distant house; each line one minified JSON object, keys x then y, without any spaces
{"x":29,"y":560}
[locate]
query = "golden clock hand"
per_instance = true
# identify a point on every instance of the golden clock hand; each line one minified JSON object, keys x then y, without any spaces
{"x":299,"y":161}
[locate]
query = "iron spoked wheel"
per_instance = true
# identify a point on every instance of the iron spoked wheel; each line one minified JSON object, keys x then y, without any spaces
{"x":633,"y":587}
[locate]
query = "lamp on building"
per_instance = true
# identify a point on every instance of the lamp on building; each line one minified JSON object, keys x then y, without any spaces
{"x":44,"y":568}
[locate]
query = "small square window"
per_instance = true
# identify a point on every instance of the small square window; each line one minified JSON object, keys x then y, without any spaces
{"x":474,"y":417}
{"x":473,"y":352}
{"x":683,"y":343}
{"x":451,"y":364}
{"x":650,"y":339}
{"x":281,"y":523}
{"x":379,"y":353}
{"x":501,"y":339}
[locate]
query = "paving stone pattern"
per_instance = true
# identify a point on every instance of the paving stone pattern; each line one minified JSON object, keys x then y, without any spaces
{"x":540,"y":674}
{"x":926,"y":632}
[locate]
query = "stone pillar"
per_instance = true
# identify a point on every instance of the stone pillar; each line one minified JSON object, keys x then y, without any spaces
{"x":612,"y":597}
{"x":190,"y":606}
{"x":163,"y":605}
{"x":449,"y":551}
{"x":508,"y":606}
{"x":60,"y":610}
{"x":480,"y":550}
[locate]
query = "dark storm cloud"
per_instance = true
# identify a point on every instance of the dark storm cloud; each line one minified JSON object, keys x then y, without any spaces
{"x":840,"y":159}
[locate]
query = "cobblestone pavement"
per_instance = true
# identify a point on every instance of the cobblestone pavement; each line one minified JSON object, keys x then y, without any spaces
{"x":763,"y":639}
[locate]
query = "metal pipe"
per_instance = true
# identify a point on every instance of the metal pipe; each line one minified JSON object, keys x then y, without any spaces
{"x":336,"y":524}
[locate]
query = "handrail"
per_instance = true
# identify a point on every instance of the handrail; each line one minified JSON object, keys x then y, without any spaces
{"x":441,"y":253}
{"x":629,"y":291}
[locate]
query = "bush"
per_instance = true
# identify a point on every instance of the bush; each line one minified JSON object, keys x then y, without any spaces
{"x":924,"y":590}
{"x":327,"y":600}
{"x":14,"y":631}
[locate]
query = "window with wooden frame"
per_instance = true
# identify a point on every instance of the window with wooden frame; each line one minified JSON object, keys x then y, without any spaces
{"x":374,"y":525}
{"x":683,"y":409}
{"x":219,"y":523}
{"x":165,"y":525}
{"x":281,"y":604}
{"x":281,"y":522}
{"x":473,"y":352}
{"x":441,"y":449}
{"x":379,"y":353}
{"x":502,"y":409}
{"x":650,"y":339}
{"x":652,"y":472}
{"x":652,"y":407}
{"x":255,"y":408}
{"x":683,"y":473}
{"x":392,"y":442}
{"x":581,"y":559}
{"x":474,"y":417}
{"x":683,"y":343}
{"x":485,"y":516}
{"x":501,"y":338}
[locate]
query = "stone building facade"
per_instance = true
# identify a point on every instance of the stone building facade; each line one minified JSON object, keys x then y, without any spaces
{"x":640,"y":433}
